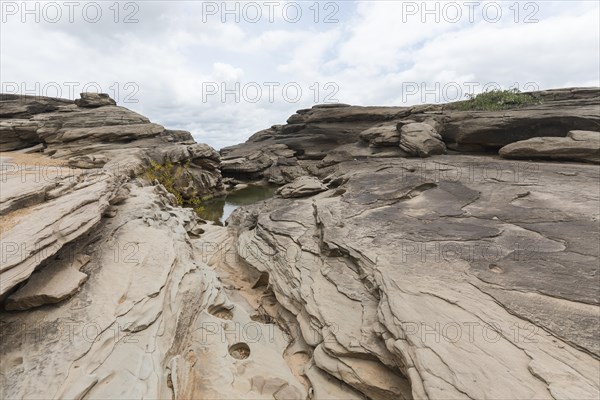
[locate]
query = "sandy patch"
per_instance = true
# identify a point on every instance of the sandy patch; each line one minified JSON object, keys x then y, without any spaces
{"x":10,"y":220}
{"x":31,"y":159}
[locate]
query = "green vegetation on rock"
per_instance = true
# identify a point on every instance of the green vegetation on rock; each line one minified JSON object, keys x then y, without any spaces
{"x":169,"y":174}
{"x":494,"y":100}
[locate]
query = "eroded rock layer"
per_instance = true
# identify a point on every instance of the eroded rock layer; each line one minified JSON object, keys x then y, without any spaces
{"x":326,"y":134}
{"x":441,"y":280}
{"x":109,"y":287}
{"x":372,"y":273}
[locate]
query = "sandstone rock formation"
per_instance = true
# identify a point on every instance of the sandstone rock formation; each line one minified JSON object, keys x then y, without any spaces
{"x":371,"y":274}
{"x":93,"y":100}
{"x":421,"y":139}
{"x":302,"y":187}
{"x":442,"y":282}
{"x":52,"y":284}
{"x":109,"y":286}
{"x":282,"y":153}
{"x":577,"y":146}
{"x":93,"y":151}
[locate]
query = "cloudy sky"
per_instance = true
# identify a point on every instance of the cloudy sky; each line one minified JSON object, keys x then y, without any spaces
{"x":224,"y":70}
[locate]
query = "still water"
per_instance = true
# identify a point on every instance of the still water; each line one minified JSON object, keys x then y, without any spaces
{"x":219,"y":209}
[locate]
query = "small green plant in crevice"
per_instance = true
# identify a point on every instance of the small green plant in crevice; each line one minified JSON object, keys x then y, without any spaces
{"x":494,"y":100}
{"x":197,"y":203}
{"x":169,"y":174}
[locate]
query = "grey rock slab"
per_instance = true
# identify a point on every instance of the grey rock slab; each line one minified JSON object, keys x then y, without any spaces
{"x":302,"y":187}
{"x":93,"y":100}
{"x":577,"y":146}
{"x":53,"y":283}
{"x":43,"y":231}
{"x":420,"y":139}
{"x":382,"y":135}
{"x":407,"y":270}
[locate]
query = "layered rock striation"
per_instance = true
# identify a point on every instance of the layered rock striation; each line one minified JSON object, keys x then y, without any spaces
{"x":440,"y":281}
{"x":411,"y":253}
{"x":324,"y":135}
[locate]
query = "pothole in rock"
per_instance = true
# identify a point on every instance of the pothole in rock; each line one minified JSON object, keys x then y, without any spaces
{"x":221,"y":312}
{"x":239,"y":351}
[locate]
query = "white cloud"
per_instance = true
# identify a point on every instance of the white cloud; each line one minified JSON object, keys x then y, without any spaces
{"x":371,"y":55}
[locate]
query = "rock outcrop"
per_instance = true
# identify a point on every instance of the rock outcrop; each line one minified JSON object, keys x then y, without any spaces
{"x":106,"y":281}
{"x":282,"y":153}
{"x":372,"y":273}
{"x":52,"y":284}
{"x":93,"y":100}
{"x":577,"y":146}
{"x":559,"y":112}
{"x":153,"y":320}
{"x":302,"y":187}
{"x":444,"y":282}
{"x":421,"y":139}
{"x":88,"y":151}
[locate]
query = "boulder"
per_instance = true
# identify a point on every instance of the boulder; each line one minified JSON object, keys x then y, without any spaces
{"x":52,"y":284}
{"x":88,"y":161}
{"x":577,"y":146}
{"x":335,"y":157}
{"x":302,"y":187}
{"x":420,"y":139}
{"x":382,"y":135}
{"x":93,"y":100}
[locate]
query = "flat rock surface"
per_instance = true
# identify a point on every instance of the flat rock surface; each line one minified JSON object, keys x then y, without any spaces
{"x":461,"y":277}
{"x":302,"y":187}
{"x":54,"y":283}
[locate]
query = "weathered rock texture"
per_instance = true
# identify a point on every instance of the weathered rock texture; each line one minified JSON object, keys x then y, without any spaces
{"x":370,"y":275}
{"x":282,"y":153}
{"x":94,"y":133}
{"x":52,"y":284}
{"x":302,"y":187}
{"x":109,"y":287}
{"x":577,"y":146}
{"x":152,"y":321}
{"x":440,"y":281}
{"x":94,"y":151}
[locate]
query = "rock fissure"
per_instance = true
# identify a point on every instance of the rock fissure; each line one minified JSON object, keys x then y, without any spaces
{"x":409,"y":253}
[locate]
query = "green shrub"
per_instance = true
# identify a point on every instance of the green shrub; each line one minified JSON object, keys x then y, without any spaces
{"x":493,"y":100}
{"x":168,"y":174}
